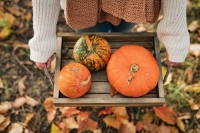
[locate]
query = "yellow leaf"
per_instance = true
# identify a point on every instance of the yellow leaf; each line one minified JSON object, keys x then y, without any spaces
{"x":5,"y":32}
{"x":180,"y":125}
{"x":5,"y":123}
{"x":28,"y":16}
{"x":10,"y":18}
{"x":29,"y":117}
{"x":54,"y":128}
{"x":169,"y":78}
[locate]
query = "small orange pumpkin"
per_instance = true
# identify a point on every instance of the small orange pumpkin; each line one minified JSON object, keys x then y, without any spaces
{"x":132,"y":71}
{"x":74,"y":80}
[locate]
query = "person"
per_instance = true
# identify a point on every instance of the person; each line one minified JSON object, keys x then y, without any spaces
{"x":171,"y":30}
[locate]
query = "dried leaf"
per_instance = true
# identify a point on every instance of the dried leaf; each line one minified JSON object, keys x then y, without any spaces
{"x":9,"y":17}
{"x":15,"y":128}
{"x":71,"y":111}
{"x":127,"y":127}
{"x":2,"y":118}
{"x":139,"y":126}
{"x":113,"y":91}
{"x":29,"y":116}
{"x":19,"y":102}
{"x":193,"y":105}
{"x":4,"y":107}
{"x":28,"y":16}
{"x":166,"y":114}
{"x":120,"y":111}
{"x":180,"y":125}
{"x":195,"y":49}
{"x":87,"y":124}
{"x":20,"y":45}
{"x":105,"y":111}
{"x":147,"y":117}
{"x":5,"y":123}
{"x":112,"y":121}
{"x":21,"y":85}
{"x":198,"y":115}
{"x":1,"y":83}
{"x":54,"y":128}
{"x":14,"y":10}
{"x":169,"y":78}
{"x":193,"y":25}
{"x":83,"y":115}
{"x":97,"y":131}
{"x":163,"y":129}
{"x":31,"y":101}
{"x":48,"y":104}
{"x":51,"y":115}
{"x":173,"y":129}
{"x":150,"y":127}
{"x":5,"y":32}
{"x":70,"y":123}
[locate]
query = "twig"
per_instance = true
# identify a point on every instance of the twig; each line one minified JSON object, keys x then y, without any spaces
{"x":18,"y":61}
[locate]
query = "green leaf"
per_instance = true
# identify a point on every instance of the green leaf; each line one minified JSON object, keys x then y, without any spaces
{"x":4,"y":23}
{"x":5,"y":32}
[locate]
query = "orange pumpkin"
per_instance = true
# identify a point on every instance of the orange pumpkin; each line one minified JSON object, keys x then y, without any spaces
{"x":132,"y":71}
{"x":74,"y":80}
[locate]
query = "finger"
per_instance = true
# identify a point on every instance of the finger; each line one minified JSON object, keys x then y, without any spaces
{"x":49,"y":62}
{"x":41,"y":65}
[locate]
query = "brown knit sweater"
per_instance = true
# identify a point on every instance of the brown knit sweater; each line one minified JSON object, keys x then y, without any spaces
{"x":86,"y":13}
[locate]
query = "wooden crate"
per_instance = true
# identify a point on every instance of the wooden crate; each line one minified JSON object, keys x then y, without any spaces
{"x":99,"y":93}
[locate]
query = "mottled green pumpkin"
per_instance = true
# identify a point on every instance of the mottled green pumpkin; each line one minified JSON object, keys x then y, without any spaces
{"x":93,"y":51}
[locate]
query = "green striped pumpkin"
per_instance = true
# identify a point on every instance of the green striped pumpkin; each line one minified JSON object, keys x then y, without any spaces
{"x":92,"y":51}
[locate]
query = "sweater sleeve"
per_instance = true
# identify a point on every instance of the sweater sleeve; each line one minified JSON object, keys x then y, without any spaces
{"x":45,"y":17}
{"x":172,"y":29}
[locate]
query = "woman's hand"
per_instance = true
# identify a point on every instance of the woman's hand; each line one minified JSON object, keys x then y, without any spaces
{"x":44,"y":65}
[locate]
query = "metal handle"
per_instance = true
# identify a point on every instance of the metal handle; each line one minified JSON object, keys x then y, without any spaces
{"x":48,"y":75}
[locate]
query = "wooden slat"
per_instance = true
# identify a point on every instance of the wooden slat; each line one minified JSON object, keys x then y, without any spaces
{"x":98,"y":101}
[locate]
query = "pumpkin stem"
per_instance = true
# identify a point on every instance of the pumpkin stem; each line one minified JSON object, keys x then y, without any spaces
{"x":85,"y":82}
{"x":133,"y":68}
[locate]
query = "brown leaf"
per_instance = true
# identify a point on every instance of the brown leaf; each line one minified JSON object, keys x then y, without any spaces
{"x":193,"y":25}
{"x":19,"y":102}
{"x":195,"y":49}
{"x":4,"y":107}
{"x":163,"y":129}
{"x":51,"y":115}
{"x":113,"y":91}
{"x":105,"y":111}
{"x":150,"y":127}
{"x":14,"y":10}
{"x":147,"y":117}
{"x":20,"y":45}
{"x":120,"y":111}
{"x":166,"y":114}
{"x":198,"y":115}
{"x":29,"y":116}
{"x":68,"y":124}
{"x":112,"y":121}
{"x":1,"y":83}
{"x":181,"y":125}
{"x":193,"y":105}
{"x":83,"y":115}
{"x":97,"y":131}
{"x":173,"y":129}
{"x":9,"y":17}
{"x":21,"y":85}
{"x":5,"y":123}
{"x":127,"y":127}
{"x":71,"y":111}
{"x":87,"y":124}
{"x":48,"y":104}
{"x":15,"y":128}
{"x":2,"y":118}
{"x":139,"y":126}
{"x":31,"y":101}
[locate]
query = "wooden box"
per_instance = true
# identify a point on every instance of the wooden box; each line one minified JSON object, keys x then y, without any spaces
{"x":99,"y":93}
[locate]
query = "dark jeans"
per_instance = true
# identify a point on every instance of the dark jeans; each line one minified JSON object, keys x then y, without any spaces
{"x":108,"y":27}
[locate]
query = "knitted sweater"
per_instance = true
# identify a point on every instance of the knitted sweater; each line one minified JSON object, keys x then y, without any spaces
{"x":172,"y":29}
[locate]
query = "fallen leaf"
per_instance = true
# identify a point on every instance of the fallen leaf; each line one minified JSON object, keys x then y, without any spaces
{"x":70,"y":123}
{"x":5,"y":123}
{"x":17,"y":45}
{"x":87,"y":124}
{"x":150,"y":127}
{"x":163,"y":129}
{"x":1,"y":83}
{"x":193,"y":105}
{"x":19,"y":102}
{"x":21,"y":86}
{"x":173,"y":129}
{"x":198,"y":115}
{"x":31,"y":101}
{"x":14,"y":10}
{"x":139,"y":126}
{"x":28,"y":16}
{"x":113,"y":91}
{"x":71,"y":111}
{"x":193,"y":25}
{"x":54,"y":128}
{"x":29,"y":116}
{"x":120,"y":111}
{"x":195,"y":49}
{"x":5,"y":32}
{"x":105,"y":111}
{"x":15,"y":128}
{"x":181,"y":125}
{"x":112,"y":121}
{"x":127,"y":127}
{"x":97,"y":131}
{"x":9,"y":17}
{"x":48,"y":104}
{"x":166,"y":114}
{"x":51,"y":115}
{"x":5,"y":106}
{"x":169,"y":78}
{"x":2,"y":118}
{"x":83,"y":115}
{"x":148,"y":117}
